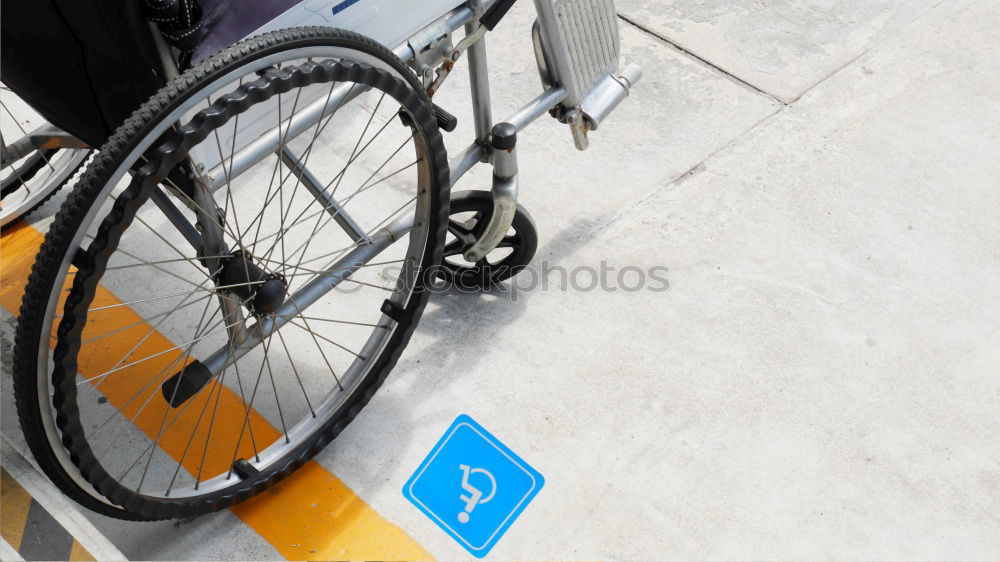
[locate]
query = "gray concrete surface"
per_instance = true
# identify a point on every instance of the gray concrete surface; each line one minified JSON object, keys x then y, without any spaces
{"x":820,"y":380}
{"x":822,"y":377}
{"x":783,"y":47}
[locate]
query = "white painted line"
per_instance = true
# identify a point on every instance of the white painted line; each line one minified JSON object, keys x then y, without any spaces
{"x":7,"y":552}
{"x":62,"y":509}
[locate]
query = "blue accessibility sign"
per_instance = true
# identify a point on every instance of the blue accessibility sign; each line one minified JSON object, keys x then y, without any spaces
{"x":473,"y":486}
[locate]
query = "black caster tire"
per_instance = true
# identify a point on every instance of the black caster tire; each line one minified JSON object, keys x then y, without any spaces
{"x":470,"y":214}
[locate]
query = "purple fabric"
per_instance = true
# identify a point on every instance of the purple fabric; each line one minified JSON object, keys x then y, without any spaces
{"x":228,"y":21}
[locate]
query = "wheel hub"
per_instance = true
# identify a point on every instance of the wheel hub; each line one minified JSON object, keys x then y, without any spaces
{"x":262,"y":291}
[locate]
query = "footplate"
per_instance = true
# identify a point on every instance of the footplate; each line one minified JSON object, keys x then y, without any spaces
{"x":578,"y":48}
{"x":590,"y":29}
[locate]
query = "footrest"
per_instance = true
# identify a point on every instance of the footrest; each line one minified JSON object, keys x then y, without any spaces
{"x":581,"y":52}
{"x":603,"y":98}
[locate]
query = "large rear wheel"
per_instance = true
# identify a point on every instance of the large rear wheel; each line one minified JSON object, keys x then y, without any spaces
{"x":233,"y":277}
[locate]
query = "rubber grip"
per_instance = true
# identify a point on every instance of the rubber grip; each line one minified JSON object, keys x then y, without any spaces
{"x":446,"y":121}
{"x":185,"y":383}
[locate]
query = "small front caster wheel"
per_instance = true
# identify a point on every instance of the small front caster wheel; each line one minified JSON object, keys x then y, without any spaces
{"x":470,"y":215}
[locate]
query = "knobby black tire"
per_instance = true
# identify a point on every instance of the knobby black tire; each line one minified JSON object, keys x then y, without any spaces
{"x":125,"y":503}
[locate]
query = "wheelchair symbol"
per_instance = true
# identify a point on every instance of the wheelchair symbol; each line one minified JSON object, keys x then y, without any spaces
{"x":475,"y":496}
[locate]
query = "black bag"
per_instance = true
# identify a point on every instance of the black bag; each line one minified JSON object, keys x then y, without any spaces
{"x":84,"y":65}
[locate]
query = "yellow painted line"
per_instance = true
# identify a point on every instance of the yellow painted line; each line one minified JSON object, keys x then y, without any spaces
{"x":310,"y":515}
{"x":77,"y":552}
{"x":14,"y":504}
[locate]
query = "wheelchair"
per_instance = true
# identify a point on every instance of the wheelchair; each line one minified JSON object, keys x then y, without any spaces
{"x":245,"y":258}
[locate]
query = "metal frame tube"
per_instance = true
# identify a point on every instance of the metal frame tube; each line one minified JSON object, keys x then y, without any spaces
{"x":475,"y":153}
{"x":479,"y":78}
{"x":45,"y":136}
{"x":176,"y":218}
{"x":316,"y":188}
{"x":536,"y":108}
{"x":464,"y":162}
